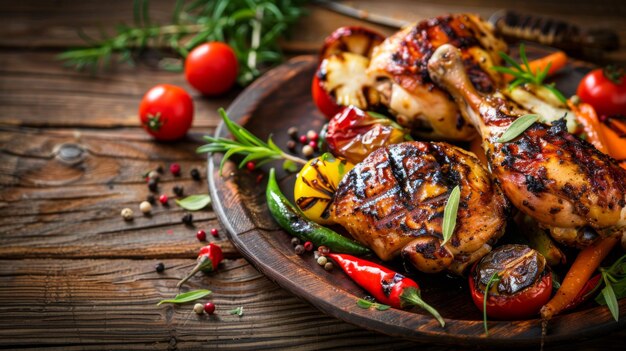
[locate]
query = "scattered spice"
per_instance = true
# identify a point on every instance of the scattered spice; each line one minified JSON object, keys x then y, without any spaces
{"x":163,"y":199}
{"x":295,"y":241}
{"x":178,"y":190}
{"x":250,"y":166}
{"x":322,"y":260}
{"x":299,"y":249}
{"x":293,"y":132}
{"x":153,"y":184}
{"x":195,"y":174}
{"x":291,"y":145}
{"x":198,"y":308}
{"x":313,"y":145}
{"x":127,"y":214}
{"x":329,"y":266}
{"x":160,"y":169}
{"x":154,"y":175}
{"x":209,"y":307}
{"x":175,"y":169}
{"x":159,"y":267}
{"x":145,"y":207}
{"x":188,"y":220}
{"x":303,"y":139}
{"x":201,"y":235}
{"x":323,"y":250}
{"x":308,"y":246}
{"x":307,"y":151}
{"x":312,"y":135}
{"x":214,"y":232}
{"x":151,"y":199}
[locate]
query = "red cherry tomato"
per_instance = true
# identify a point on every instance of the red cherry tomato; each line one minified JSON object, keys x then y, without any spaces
{"x":166,"y":112}
{"x":324,"y":102}
{"x":211,"y":68}
{"x":605,"y":90}
{"x":522,"y":303}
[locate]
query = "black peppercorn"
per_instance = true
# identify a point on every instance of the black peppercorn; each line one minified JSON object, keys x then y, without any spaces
{"x":178,"y":190}
{"x":195,"y":174}
{"x":151,"y":199}
{"x":153,"y":184}
{"x":160,"y":267}
{"x":187,"y":218}
{"x":160,"y":169}
{"x":291,"y":145}
{"x":293,"y":132}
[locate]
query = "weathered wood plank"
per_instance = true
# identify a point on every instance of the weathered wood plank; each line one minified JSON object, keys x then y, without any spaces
{"x":96,"y":304}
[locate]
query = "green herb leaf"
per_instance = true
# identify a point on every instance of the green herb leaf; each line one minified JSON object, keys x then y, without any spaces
{"x":381,"y":307}
{"x":363,"y":303}
{"x":492,"y":280}
{"x":290,"y":166}
{"x":187,"y":297}
{"x":518,"y":127}
{"x":610,"y":298}
{"x":237,"y":311}
{"x":450,"y":213}
{"x":194,"y":202}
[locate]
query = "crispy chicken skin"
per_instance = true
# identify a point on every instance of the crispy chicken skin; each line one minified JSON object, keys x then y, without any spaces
{"x":549,"y":174}
{"x":393,"y":202}
{"x":400,"y":65}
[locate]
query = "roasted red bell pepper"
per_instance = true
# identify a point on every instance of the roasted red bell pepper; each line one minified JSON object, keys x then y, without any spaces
{"x":586,"y":292}
{"x":208,"y":259}
{"x":387,"y":286}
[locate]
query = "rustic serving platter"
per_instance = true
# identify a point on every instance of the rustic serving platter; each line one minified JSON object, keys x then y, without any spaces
{"x":280,"y":99}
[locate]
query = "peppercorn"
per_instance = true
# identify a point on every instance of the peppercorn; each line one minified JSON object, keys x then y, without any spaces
{"x":322,"y":260}
{"x":188,"y":219}
{"x":175,"y":169}
{"x":291,"y":145}
{"x":250,"y":166}
{"x":201,"y":235}
{"x":209,"y":307}
{"x":293,"y":132}
{"x":308,"y":246}
{"x":154,"y":175}
{"x":145,"y":207}
{"x":328,"y":266}
{"x":295,"y":241}
{"x":303,"y":139}
{"x":313,"y":144}
{"x":323,"y":250}
{"x":195,"y":174}
{"x":312,"y":135}
{"x":127,"y":214}
{"x":160,"y":267}
{"x":214,"y":232}
{"x":151,"y":199}
{"x":307,"y":151}
{"x":153,"y":184}
{"x":299,"y":249}
{"x":178,"y":190}
{"x":159,"y":169}
{"x":163,"y":199}
{"x":198,"y":308}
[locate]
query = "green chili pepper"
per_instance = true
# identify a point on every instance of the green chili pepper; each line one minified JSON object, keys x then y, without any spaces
{"x":291,"y":219}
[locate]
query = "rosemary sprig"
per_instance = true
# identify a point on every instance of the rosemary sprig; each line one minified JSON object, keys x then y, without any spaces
{"x":246,"y":143}
{"x":251,"y":27}
{"x":524,"y":75}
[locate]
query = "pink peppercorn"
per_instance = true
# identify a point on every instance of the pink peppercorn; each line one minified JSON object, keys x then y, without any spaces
{"x":163,"y":199}
{"x":175,"y":169}
{"x":201,"y":235}
{"x":308,"y":246}
{"x":303,"y":139}
{"x":214,"y":232}
{"x":250,"y":166}
{"x":209,"y":307}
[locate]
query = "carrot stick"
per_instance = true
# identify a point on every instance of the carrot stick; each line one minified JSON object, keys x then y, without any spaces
{"x":587,"y":261}
{"x":557,"y":61}
{"x":587,"y":117}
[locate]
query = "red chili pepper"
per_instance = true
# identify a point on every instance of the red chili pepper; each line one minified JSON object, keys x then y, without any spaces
{"x":208,"y":259}
{"x":387,"y":286}
{"x":586,"y":292}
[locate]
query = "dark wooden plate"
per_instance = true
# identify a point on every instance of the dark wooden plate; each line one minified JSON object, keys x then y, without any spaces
{"x":281,"y":99}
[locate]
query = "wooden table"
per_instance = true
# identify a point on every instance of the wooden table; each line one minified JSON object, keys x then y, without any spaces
{"x":73,"y":274}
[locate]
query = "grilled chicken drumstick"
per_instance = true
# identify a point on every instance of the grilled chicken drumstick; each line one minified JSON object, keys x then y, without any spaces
{"x":549,"y":174}
{"x":393,"y":202}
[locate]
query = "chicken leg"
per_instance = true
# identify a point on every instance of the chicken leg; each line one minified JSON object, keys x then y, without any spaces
{"x":547,"y":173}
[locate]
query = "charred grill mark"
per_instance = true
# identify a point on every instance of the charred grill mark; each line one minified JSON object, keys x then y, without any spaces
{"x":534,"y":185}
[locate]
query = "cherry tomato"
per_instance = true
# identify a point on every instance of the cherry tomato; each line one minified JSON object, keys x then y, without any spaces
{"x":527,"y":284}
{"x":211,"y":68}
{"x":605,"y":90}
{"x":166,"y":112}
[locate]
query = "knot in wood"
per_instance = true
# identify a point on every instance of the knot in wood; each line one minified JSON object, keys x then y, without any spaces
{"x":70,"y":153}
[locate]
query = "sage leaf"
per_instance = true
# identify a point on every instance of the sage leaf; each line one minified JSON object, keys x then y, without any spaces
{"x":450,"y":213}
{"x":364,"y":303}
{"x":194,"y":202}
{"x":611,"y":301}
{"x":518,"y":127}
{"x":237,"y":311}
{"x":381,"y":307}
{"x":187,"y":297}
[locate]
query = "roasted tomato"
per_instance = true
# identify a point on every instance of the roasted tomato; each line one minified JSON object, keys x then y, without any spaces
{"x":316,"y":184}
{"x":353,"y":134}
{"x":605,"y":90}
{"x":524,"y":282}
{"x":357,"y":40}
{"x":341,"y":78}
